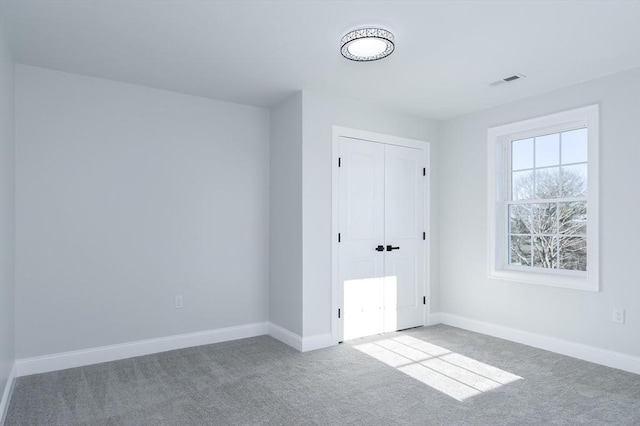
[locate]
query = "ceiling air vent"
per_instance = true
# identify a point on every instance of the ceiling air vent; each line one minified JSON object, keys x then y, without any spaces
{"x":508,"y":79}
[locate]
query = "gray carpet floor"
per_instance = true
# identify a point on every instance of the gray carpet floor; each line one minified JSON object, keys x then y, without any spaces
{"x":436,"y":375}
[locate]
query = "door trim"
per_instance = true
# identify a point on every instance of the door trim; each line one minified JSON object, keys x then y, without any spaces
{"x":425,"y":146}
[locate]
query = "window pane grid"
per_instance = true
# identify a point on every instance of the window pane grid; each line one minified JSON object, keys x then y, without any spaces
{"x":546,"y":206}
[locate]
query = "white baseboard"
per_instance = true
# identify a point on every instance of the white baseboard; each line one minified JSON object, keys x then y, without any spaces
{"x":594,"y":354}
{"x":285,"y":336}
{"x":318,"y":341}
{"x":434,"y":318}
{"x":61,"y":361}
{"x":303,"y":344}
{"x":8,"y":391}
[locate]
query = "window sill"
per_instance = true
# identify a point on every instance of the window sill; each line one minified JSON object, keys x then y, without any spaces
{"x":584,"y":283}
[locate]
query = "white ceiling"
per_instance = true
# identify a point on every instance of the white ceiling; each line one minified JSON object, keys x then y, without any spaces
{"x":258,"y":52}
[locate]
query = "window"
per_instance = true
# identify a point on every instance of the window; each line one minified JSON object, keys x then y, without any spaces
{"x":543,"y":205}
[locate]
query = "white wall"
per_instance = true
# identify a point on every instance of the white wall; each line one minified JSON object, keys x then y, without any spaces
{"x":7,"y":218}
{"x":578,"y":316}
{"x":127,"y":196}
{"x":320,"y":113}
{"x":285,"y":215}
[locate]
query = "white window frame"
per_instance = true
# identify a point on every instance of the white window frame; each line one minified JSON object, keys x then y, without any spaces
{"x":498,"y":181}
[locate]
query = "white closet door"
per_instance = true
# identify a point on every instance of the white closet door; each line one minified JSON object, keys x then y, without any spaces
{"x":404,"y":245}
{"x":381,"y":251}
{"x":361,"y":266}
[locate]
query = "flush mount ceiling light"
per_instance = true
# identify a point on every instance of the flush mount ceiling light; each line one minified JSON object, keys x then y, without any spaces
{"x":367,"y":44}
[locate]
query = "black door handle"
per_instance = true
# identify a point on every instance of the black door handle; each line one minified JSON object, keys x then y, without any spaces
{"x":379,"y":248}
{"x":389,"y":248}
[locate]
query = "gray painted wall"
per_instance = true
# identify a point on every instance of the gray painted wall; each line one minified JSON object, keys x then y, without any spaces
{"x":320,"y":114}
{"x":578,"y":316}
{"x":285,"y":215}
{"x":7,"y":211}
{"x":127,"y":196}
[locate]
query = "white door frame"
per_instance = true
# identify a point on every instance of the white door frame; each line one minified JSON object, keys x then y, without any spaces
{"x":425,"y":146}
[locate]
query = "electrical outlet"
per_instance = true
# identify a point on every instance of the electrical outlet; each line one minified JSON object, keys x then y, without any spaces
{"x":179,"y":302}
{"x":618,"y":316}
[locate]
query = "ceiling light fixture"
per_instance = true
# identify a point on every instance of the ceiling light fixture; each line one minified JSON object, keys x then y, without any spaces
{"x":367,"y":44}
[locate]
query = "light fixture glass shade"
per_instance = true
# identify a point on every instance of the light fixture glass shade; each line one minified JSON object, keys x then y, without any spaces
{"x":367,"y":44}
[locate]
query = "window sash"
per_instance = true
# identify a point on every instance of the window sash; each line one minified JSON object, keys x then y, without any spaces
{"x":509,"y":201}
{"x":537,"y":269}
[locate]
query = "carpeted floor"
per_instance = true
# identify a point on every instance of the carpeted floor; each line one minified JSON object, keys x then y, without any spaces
{"x":436,"y":375}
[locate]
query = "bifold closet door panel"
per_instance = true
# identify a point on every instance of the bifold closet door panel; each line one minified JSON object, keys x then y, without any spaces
{"x":361,"y":266}
{"x":404,"y":227}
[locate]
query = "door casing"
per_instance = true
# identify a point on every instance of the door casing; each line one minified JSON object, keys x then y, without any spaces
{"x":338,"y":132}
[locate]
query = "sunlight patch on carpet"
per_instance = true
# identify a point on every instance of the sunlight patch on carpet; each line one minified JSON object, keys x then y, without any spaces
{"x":455,"y":375}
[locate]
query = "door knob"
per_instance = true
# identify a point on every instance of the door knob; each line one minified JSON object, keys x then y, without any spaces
{"x":379,"y":248}
{"x":389,"y":248}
